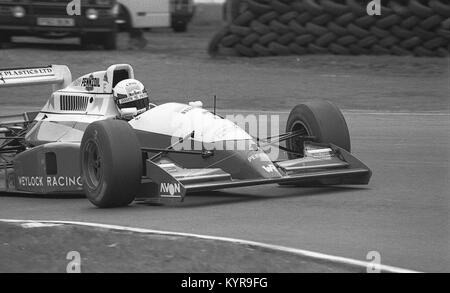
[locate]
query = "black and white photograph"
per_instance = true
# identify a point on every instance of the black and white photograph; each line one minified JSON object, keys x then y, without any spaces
{"x":222,"y":142}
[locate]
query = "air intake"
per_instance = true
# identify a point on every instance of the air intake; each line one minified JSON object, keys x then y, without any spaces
{"x":73,"y":103}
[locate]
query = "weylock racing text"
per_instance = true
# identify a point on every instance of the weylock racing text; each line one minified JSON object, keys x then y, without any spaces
{"x":49,"y":181}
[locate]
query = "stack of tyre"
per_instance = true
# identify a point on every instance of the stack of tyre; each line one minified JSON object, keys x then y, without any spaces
{"x":284,"y":27}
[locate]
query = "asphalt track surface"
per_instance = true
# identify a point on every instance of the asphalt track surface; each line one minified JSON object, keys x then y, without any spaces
{"x":403,"y":213}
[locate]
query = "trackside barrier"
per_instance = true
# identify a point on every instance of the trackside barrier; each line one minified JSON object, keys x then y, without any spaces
{"x":284,"y":27}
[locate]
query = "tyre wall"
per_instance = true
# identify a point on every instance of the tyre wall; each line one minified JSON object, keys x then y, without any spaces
{"x":284,"y":27}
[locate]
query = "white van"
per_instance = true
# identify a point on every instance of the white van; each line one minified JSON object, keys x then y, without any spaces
{"x":155,"y":13}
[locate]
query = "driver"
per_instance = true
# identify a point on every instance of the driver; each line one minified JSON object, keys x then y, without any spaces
{"x":131,"y":98}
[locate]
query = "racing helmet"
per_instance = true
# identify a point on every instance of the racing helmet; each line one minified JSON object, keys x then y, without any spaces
{"x":131,"y":93}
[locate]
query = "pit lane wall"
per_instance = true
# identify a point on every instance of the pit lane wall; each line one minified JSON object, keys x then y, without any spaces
{"x":343,"y":27}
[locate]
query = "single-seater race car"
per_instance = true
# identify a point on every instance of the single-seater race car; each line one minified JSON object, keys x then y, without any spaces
{"x":101,"y":136}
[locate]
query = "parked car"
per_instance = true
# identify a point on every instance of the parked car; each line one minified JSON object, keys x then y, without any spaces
{"x":95,"y":24}
{"x":137,"y":14}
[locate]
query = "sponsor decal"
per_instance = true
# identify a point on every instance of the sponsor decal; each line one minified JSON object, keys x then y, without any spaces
{"x":31,"y":72}
{"x":126,"y":100}
{"x":138,"y":94}
{"x":90,"y":82}
{"x":133,"y":96}
{"x":258,"y":156}
{"x":171,"y":189}
{"x":270,"y":168}
{"x":31,"y":181}
{"x":49,"y":181}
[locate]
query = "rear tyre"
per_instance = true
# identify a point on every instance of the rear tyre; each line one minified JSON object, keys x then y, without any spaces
{"x":111,"y":163}
{"x":320,"y":119}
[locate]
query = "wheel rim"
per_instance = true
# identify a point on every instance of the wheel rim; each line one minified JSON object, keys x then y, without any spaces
{"x":92,"y":165}
{"x":296,"y":143}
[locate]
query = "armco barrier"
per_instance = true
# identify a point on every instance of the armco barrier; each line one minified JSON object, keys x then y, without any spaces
{"x":282,"y":27}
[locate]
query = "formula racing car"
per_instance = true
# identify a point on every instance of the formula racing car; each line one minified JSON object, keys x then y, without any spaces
{"x":100,"y":135}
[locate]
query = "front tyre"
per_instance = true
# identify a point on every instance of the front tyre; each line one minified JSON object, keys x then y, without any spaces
{"x":111,"y":163}
{"x":320,"y":119}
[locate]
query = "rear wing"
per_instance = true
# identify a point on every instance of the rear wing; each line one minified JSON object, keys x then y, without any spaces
{"x":57,"y":75}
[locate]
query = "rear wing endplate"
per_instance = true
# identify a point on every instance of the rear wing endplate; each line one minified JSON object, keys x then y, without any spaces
{"x":57,"y":75}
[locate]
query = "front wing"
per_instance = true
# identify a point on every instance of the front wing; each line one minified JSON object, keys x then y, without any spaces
{"x":170,"y":181}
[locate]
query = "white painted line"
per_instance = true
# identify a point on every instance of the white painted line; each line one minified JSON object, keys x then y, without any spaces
{"x":39,"y":225}
{"x":300,"y":252}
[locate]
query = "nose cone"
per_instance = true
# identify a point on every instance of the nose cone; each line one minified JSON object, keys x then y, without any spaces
{"x":242,"y":159}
